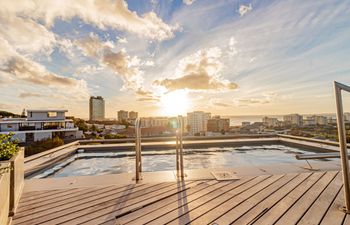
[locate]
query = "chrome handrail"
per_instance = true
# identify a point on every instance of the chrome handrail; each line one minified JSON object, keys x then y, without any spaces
{"x":179,"y":149}
{"x":342,"y":142}
{"x":138,"y":163}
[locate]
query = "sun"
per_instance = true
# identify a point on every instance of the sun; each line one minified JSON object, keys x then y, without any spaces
{"x":174,"y":103}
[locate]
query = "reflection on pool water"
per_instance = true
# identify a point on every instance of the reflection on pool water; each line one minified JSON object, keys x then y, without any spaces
{"x":92,"y":163}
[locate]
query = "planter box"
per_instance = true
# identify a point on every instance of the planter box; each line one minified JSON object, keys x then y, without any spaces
{"x":4,"y":193}
{"x":16,"y":179}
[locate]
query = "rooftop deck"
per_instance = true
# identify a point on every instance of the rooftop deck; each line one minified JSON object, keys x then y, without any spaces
{"x":292,"y":198}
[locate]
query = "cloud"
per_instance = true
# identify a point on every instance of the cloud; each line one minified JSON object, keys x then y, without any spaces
{"x":218,"y":102}
{"x":26,"y":36}
{"x":188,"y":2}
{"x":26,"y":70}
{"x":200,"y":71}
{"x":30,"y":95}
{"x":102,"y":14}
{"x":266,"y":98}
{"x":122,"y":40}
{"x":125,"y":66}
{"x":92,"y":46}
{"x":243,"y":9}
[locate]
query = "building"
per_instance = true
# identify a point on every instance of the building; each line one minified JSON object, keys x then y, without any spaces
{"x":309,"y":121}
{"x":197,"y":122}
{"x":293,"y":119}
{"x":147,"y":122}
{"x":347,"y":116}
{"x":245,"y":123}
{"x":254,"y":128}
{"x":270,"y":122}
{"x":321,"y":120}
{"x":133,"y":115}
{"x":40,"y":125}
{"x":123,"y":115}
{"x":96,"y":108}
{"x":217,"y":124}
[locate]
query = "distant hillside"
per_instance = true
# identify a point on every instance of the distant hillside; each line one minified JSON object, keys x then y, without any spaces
{"x":8,"y":114}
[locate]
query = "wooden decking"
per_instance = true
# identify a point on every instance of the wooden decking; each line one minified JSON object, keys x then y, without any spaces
{"x":304,"y":198}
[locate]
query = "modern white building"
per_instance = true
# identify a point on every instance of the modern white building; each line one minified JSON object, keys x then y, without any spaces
{"x":96,"y":108}
{"x":270,"y":122}
{"x":293,"y":119}
{"x":39,"y":125}
{"x":197,"y":122}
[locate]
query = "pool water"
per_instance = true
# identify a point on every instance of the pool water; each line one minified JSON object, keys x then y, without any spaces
{"x":93,"y":163}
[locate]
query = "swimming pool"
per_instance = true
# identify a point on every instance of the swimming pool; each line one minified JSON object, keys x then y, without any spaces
{"x":95,"y":163}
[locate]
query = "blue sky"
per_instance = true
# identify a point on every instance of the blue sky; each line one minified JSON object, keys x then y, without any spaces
{"x":168,"y":57}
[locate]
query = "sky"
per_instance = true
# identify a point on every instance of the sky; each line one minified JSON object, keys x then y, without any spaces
{"x":169,"y":57}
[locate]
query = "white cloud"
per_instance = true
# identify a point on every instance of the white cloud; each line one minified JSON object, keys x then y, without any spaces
{"x":122,"y":40}
{"x":200,"y":71}
{"x":243,"y":9}
{"x":188,"y":2}
{"x":102,"y":14}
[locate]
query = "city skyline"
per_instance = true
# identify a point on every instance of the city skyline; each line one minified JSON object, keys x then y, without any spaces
{"x":230,"y":58}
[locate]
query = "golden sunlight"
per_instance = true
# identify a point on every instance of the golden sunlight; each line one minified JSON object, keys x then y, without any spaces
{"x":174,"y":103}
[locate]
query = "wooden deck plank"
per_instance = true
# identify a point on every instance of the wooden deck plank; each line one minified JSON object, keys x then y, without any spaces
{"x":121,"y":205}
{"x":204,"y":203}
{"x":248,"y":215}
{"x":85,"y":203}
{"x":346,"y":220}
{"x":231,"y":209}
{"x":62,"y":200}
{"x":303,"y":198}
{"x":294,"y":213}
{"x":319,"y":208}
{"x":186,"y":200}
{"x":271,"y":216}
{"x":47,"y":195}
{"x":169,"y":203}
{"x":334,"y":214}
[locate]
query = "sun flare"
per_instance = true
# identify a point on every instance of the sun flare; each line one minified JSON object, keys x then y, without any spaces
{"x":174,"y":103}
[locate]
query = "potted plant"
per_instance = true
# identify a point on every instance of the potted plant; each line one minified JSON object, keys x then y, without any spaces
{"x":13,"y":156}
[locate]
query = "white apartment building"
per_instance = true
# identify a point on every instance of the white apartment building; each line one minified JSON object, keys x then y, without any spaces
{"x":320,"y":120}
{"x":270,"y":122}
{"x":96,"y":108}
{"x":197,"y":122}
{"x":293,"y":119}
{"x":39,"y":125}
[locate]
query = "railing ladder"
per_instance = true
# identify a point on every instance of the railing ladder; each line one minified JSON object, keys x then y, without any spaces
{"x":179,"y":149}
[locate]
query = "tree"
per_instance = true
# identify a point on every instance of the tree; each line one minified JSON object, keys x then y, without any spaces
{"x":81,"y":124}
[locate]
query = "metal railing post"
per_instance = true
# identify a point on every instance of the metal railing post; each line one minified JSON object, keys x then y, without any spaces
{"x":179,"y":149}
{"x":138,"y":162}
{"x":342,"y":142}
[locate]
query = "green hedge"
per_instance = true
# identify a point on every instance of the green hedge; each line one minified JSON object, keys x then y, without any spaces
{"x":8,"y":146}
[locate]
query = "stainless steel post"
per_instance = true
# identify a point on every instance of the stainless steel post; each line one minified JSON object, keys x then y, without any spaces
{"x":342,"y":142}
{"x":179,"y":147}
{"x":138,"y":164}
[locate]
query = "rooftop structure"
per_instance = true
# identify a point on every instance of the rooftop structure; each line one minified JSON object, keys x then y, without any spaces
{"x":39,"y":125}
